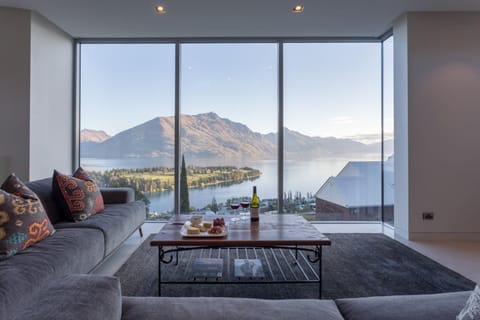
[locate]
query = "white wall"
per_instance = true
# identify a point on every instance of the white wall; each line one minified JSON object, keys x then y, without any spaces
{"x":14,"y":92}
{"x":51,"y":94}
{"x":36,"y":72}
{"x":439,"y":116}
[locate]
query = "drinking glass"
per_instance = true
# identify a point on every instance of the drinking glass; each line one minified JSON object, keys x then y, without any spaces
{"x":244,"y":213}
{"x":234,"y":206}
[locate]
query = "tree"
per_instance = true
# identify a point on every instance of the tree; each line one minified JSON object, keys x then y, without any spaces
{"x":184,"y":200}
{"x":214,"y":207}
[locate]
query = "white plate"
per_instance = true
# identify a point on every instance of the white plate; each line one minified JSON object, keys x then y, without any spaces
{"x":205,"y":234}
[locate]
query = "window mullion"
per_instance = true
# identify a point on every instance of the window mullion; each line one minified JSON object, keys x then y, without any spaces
{"x":177,"y":129}
{"x":280,"y":127}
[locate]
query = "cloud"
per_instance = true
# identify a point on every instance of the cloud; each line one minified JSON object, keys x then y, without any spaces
{"x":342,"y":120}
{"x":369,"y":138}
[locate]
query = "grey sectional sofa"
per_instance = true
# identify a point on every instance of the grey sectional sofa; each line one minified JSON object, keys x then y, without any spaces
{"x":89,"y":297}
{"x":75,"y":247}
{"x":50,"y":281}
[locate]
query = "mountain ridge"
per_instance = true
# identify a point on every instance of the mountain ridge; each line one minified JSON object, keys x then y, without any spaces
{"x":209,"y":136}
{"x":89,"y":135}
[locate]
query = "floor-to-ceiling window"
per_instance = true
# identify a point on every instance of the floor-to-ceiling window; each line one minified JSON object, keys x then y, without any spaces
{"x":388,"y":156}
{"x":229,"y":115}
{"x":228,"y":124}
{"x":127,"y":119}
{"x":333,"y":130}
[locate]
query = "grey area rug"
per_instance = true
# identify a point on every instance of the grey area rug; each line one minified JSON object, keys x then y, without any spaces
{"x":355,"y":265}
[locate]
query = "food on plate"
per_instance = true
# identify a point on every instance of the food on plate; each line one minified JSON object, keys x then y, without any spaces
{"x":215,"y":230}
{"x":196,"y":220}
{"x":203,"y":229}
{"x":193,"y":230}
{"x":219,"y":222}
{"x":207,"y":224}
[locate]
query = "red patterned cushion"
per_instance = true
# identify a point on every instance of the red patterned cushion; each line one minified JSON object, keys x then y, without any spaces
{"x":23,"y":220}
{"x":78,"y":196}
{"x":82,"y":174}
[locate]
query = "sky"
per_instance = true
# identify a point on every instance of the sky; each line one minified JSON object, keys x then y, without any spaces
{"x":330,"y":89}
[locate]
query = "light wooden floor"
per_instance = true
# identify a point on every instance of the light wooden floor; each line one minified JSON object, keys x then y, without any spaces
{"x":460,"y":256}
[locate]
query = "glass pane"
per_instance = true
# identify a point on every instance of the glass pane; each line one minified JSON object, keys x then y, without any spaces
{"x":228,"y":125}
{"x":127,"y":120}
{"x":333,"y":131}
{"x":388,"y":173}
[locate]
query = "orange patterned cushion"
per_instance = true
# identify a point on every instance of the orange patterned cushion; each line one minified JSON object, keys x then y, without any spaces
{"x":23,"y":220}
{"x":78,"y":196}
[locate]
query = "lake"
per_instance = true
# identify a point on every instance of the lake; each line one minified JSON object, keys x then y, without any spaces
{"x":299,"y":176}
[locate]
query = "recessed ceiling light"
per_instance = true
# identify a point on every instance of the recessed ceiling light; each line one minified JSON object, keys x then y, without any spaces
{"x":160,"y":9}
{"x":297,"y":9}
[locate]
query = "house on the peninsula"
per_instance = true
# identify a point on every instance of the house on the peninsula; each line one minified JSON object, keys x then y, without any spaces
{"x":355,"y":193}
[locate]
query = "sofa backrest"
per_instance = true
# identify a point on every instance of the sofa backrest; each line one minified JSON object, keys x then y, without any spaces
{"x":43,"y":188}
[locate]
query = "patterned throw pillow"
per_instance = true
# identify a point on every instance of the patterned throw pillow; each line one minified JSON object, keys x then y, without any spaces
{"x":471,"y":311}
{"x":23,"y":220}
{"x":78,"y":196}
{"x":83,"y":175}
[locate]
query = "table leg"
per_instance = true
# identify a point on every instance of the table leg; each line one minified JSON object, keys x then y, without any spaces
{"x":160,"y":261}
{"x":319,"y":250}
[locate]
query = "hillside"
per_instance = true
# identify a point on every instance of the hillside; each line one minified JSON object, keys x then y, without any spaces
{"x":88,"y":135}
{"x":208,"y":136}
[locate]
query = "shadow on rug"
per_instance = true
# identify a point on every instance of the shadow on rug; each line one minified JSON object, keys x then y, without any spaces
{"x":355,"y":265}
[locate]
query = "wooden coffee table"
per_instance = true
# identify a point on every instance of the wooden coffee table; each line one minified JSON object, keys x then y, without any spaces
{"x":273,"y":231}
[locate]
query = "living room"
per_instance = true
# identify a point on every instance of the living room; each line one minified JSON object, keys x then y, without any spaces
{"x":54,"y":52}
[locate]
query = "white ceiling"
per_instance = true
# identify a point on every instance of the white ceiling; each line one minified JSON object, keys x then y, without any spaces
{"x":231,"y":18}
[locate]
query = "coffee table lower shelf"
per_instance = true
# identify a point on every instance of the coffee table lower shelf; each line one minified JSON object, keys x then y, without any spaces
{"x":280,"y":264}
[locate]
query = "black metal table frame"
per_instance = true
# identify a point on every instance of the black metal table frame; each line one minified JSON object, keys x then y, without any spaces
{"x":173,"y":257}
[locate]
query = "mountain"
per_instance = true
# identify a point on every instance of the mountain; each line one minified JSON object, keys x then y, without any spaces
{"x":387,"y":145}
{"x":153,"y":138}
{"x":88,"y":135}
{"x":298,"y":145}
{"x":208,"y":136}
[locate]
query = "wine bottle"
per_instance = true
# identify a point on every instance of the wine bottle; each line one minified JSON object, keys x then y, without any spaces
{"x":254,"y":206}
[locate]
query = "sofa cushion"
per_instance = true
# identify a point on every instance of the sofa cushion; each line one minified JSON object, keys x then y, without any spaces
{"x":23,"y":221}
{"x":65,"y":252}
{"x":74,"y":297}
{"x":429,"y":306}
{"x":43,"y":189}
{"x":117,"y":195}
{"x":170,"y":308}
{"x":117,"y":222}
{"x":78,"y":199}
{"x":16,"y":186}
{"x":83,"y":175}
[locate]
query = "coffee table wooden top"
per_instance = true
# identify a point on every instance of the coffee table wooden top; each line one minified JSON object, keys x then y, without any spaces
{"x":272,"y":230}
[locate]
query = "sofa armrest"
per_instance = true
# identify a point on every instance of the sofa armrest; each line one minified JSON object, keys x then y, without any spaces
{"x":117,"y":195}
{"x":438,"y":306}
{"x":76,"y":296}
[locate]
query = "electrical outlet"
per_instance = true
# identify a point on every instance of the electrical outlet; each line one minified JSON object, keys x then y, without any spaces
{"x":427,"y":215}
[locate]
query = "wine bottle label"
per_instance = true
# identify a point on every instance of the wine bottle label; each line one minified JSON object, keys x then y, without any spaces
{"x":254,"y":213}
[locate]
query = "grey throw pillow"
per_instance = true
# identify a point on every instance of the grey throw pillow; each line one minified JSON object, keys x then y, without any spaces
{"x":471,"y":311}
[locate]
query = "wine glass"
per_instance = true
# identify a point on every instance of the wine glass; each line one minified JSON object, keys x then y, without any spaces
{"x":244,"y":214}
{"x":234,"y":205}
